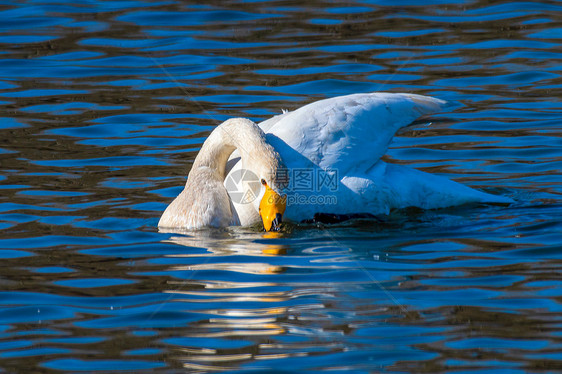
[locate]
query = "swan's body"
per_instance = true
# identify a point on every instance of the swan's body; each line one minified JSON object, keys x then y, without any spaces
{"x":338,"y":142}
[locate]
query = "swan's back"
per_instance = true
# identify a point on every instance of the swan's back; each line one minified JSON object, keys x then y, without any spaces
{"x":349,"y":133}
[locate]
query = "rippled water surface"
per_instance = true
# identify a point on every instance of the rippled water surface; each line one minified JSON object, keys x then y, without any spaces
{"x":105,"y":105}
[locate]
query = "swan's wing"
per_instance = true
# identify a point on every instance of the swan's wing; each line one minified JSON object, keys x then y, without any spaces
{"x":348,"y":133}
{"x":269,"y":123}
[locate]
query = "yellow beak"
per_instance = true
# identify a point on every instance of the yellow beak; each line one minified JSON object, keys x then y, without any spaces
{"x":272,"y":207}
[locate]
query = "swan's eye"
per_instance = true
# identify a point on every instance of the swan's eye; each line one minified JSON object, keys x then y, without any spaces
{"x":263,"y":182}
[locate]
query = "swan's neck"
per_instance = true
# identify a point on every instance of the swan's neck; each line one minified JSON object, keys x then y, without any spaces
{"x":246,"y":136}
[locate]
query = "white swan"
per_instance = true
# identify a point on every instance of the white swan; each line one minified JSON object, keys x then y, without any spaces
{"x":321,"y":158}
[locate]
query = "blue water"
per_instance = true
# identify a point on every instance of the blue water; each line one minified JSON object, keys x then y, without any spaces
{"x":104,"y":106}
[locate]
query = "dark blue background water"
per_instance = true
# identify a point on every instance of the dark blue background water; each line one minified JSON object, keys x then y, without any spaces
{"x":105,"y":105}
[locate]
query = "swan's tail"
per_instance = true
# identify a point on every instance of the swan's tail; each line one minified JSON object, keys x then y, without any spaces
{"x":427,"y":105}
{"x":428,"y":191}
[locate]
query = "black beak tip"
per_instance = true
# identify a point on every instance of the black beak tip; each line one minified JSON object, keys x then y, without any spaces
{"x":276,"y":224}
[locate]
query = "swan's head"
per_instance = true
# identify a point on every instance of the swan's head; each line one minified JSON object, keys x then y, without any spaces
{"x":272,"y":207}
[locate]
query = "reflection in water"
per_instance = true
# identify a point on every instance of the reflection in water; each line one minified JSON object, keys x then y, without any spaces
{"x":258,"y":313}
{"x":221,"y":242}
{"x":263,"y":316}
{"x":229,"y":321}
